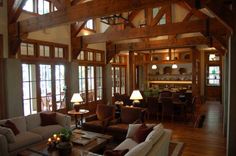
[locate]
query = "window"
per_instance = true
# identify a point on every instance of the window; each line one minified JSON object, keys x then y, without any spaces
{"x":213,"y":57}
{"x":82,"y":82}
{"x":119,"y":74}
{"x":60,"y":86}
{"x":27,"y":49}
{"x":39,"y":6}
{"x":43,"y":7}
{"x":44,"y":51}
{"x":155,"y":11}
{"x":91,"y":55}
{"x":81,"y":56}
{"x":214,"y":75}
{"x":58,"y":52}
{"x":89,"y":24}
{"x":29,"y":89}
{"x":29,"y":6}
{"x":89,"y":78}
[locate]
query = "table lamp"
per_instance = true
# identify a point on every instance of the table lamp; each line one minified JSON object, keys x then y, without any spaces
{"x":76,"y":99}
{"x":136,"y":96}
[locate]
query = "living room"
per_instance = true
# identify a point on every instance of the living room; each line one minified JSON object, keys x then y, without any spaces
{"x":179,"y":50}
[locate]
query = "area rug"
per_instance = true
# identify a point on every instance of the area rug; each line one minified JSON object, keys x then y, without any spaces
{"x":176,"y":148}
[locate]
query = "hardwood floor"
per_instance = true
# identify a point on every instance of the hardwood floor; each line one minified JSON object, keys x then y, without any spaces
{"x":205,"y":141}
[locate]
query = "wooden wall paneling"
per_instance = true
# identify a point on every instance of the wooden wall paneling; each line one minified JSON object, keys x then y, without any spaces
{"x":3,"y":112}
{"x":131,"y":72}
{"x":1,"y":46}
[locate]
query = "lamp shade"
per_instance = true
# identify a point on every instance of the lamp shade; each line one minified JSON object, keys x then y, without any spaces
{"x":174,"y":66}
{"x":136,"y":95}
{"x":76,"y":98}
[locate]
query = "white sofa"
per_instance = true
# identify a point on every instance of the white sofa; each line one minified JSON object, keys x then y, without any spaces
{"x":156,"y":143}
{"x":30,"y":132}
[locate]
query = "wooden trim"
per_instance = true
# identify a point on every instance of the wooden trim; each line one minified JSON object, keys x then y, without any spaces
{"x":1,"y":46}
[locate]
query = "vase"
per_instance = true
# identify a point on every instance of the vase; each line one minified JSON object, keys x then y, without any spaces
{"x":64,"y":148}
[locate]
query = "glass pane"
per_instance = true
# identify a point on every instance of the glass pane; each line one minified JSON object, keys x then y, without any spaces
{"x":40,"y":7}
{"x":46,"y":7}
{"x":29,"y":6}
{"x":26,"y":90}
{"x":34,"y":106}
{"x":89,"y":24}
{"x":60,"y":53}
{"x":81,"y":56}
{"x":213,"y":57}
{"x":27,"y":107}
{"x":30,"y":49}
{"x":163,"y":20}
{"x":23,"y":49}
{"x":214,"y":75}
{"x":98,"y":57}
{"x":56,"y":52}
{"x":33,"y":90}
{"x":25,"y":72}
{"x":155,"y":12}
{"x":47,"y":51}
{"x":41,"y":50}
{"x":90,"y":56}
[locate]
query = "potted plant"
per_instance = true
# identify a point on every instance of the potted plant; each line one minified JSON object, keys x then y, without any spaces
{"x":65,"y":146}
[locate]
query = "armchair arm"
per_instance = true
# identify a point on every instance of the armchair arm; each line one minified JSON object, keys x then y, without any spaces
{"x":3,"y":145}
{"x":63,"y":120}
{"x":115,"y":121}
{"x":91,"y":118}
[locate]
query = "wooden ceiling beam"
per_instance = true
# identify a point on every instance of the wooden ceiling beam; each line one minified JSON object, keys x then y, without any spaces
{"x":15,"y":9}
{"x":215,"y":7}
{"x":83,"y":12}
{"x":58,"y":4}
{"x":76,"y":28}
{"x":160,"y":30}
{"x":162,"y":44}
{"x":158,"y":17}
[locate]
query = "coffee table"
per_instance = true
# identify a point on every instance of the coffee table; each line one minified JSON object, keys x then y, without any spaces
{"x":98,"y":142}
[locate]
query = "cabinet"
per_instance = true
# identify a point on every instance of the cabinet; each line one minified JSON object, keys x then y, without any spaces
{"x":166,"y":77}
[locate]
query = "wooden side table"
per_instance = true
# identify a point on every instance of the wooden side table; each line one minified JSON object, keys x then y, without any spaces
{"x":80,"y":113}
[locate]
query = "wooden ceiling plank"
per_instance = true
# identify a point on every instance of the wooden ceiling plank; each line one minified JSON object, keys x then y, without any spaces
{"x":163,"y":44}
{"x":82,"y":12}
{"x":160,"y":30}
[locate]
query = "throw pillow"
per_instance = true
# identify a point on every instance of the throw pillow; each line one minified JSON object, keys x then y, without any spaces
{"x":133,"y":128}
{"x":115,"y":152}
{"x":156,"y":134}
{"x":12,"y":126}
{"x":141,"y":133}
{"x":48,"y":119}
{"x":7,"y":132}
{"x":141,"y":149}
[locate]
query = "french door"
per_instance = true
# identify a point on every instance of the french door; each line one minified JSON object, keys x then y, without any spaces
{"x":43,"y":87}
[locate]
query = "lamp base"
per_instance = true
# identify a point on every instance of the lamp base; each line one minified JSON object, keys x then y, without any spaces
{"x":77,"y":108}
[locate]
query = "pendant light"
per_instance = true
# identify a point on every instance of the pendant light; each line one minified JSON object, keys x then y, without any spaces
{"x":174,"y":65}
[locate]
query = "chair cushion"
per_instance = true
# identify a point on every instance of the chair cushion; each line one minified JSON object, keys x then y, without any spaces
{"x":104,"y":112}
{"x":24,"y":139}
{"x":120,"y":127}
{"x":33,"y":121}
{"x":47,"y":131}
{"x":12,"y":126}
{"x":48,"y":118}
{"x":126,"y":144}
{"x":7,"y":132}
{"x":130,"y":114}
{"x":115,"y":152}
{"x":141,"y":133}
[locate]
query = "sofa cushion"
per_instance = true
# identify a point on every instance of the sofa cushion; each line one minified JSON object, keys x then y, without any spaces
{"x":12,"y":126}
{"x":48,"y":118}
{"x":19,"y":122}
{"x":7,"y":132}
{"x":133,"y":128}
{"x":47,"y":131}
{"x":141,"y":149}
{"x":156,"y":133}
{"x":141,"y":133}
{"x":24,"y":139}
{"x":62,"y":119}
{"x":33,"y":121}
{"x":126,"y":144}
{"x":115,"y":152}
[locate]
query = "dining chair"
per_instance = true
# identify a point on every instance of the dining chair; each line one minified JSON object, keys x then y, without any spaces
{"x":167,"y":107}
{"x":152,"y":107}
